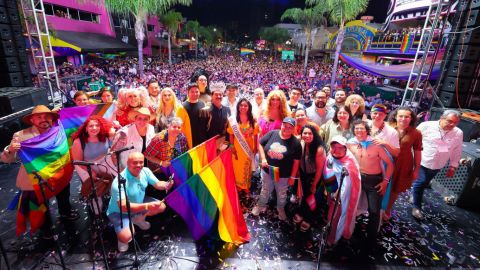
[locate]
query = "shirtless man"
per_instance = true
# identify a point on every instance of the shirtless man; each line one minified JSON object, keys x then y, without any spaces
{"x":374,"y":182}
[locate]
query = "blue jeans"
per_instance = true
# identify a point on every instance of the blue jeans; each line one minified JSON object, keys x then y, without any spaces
{"x":425,"y":175}
{"x":268,"y":184}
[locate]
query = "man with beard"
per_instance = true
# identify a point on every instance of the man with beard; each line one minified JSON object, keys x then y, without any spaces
{"x":319,"y":113}
{"x":153,"y":91}
{"x":340,"y":97}
{"x":194,"y":117}
{"x":340,"y":163}
{"x":328,"y":91}
{"x":42,"y":119}
{"x":218,"y":112}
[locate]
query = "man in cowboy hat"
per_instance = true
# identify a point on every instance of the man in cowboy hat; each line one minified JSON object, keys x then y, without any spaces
{"x":41,"y":119}
{"x":139,"y":134}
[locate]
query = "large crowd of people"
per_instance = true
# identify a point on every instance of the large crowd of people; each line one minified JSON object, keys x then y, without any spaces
{"x":300,"y":133}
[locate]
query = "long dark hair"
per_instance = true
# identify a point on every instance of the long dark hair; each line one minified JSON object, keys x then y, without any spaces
{"x":199,"y":72}
{"x":347,"y":109}
{"x":316,"y":142}
{"x":392,"y":118}
{"x":251,"y":120}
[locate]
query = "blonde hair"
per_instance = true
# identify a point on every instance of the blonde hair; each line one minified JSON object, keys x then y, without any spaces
{"x":141,"y":91}
{"x":284,"y":111}
{"x":161,"y":107}
{"x":360,"y":100}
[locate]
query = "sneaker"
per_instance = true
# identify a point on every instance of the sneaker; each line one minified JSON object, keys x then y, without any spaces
{"x":73,"y":215}
{"x":281,"y":214}
{"x":122,"y":247}
{"x":142,"y":224}
{"x":258,"y":209}
{"x":416,"y":213}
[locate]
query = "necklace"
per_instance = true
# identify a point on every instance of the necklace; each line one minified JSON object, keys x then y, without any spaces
{"x":378,"y":130}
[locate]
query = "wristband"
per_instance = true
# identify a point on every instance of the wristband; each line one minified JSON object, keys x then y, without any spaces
{"x":146,"y":207}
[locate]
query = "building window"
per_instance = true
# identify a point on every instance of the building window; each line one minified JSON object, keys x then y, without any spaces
{"x":70,"y":13}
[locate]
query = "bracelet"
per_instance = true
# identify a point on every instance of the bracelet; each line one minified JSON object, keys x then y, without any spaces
{"x":146,"y":207}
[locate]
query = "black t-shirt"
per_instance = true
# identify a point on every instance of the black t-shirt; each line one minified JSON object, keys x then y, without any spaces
{"x":198,"y":121}
{"x":281,"y":153}
{"x":218,"y":121}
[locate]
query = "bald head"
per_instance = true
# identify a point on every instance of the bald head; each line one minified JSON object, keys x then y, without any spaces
{"x":135,"y":163}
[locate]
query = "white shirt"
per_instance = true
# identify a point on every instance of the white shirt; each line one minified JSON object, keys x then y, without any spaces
{"x":439,"y":146}
{"x":313,"y":115}
{"x":232,"y":106}
{"x":388,"y":134}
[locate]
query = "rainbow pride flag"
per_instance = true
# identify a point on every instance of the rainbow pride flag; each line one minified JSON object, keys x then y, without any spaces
{"x":274,"y":173}
{"x":73,"y":117}
{"x":406,"y":43}
{"x":192,"y":161}
{"x":245,"y":51}
{"x":48,"y":155}
{"x":210,"y":192}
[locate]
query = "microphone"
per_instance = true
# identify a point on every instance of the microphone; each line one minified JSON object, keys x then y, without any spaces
{"x":126,"y":148}
{"x":344,"y":172}
{"x":84,"y":163}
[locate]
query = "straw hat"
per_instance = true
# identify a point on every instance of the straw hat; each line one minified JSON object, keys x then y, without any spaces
{"x":38,"y":110}
{"x":141,"y":111}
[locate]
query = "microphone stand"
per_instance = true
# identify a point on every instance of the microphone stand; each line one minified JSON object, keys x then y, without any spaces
{"x":48,"y":217}
{"x":121,"y":182}
{"x":327,"y":228}
{"x":97,"y":220}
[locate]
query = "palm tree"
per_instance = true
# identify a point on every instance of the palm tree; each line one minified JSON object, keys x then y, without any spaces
{"x":140,"y":9}
{"x":275,"y":36}
{"x":309,"y":18}
{"x":341,"y":12}
{"x":194,"y":27}
{"x":171,"y":20}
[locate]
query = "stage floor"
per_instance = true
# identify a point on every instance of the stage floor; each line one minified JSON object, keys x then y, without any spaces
{"x":447,"y":237}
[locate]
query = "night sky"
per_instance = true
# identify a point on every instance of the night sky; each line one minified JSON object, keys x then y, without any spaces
{"x":240,"y":17}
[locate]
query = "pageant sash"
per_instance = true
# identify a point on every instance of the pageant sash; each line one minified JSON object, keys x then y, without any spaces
{"x":241,"y":140}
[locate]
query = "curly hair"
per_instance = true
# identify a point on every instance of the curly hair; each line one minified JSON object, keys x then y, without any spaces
{"x":123,"y":93}
{"x":82,"y":134}
{"x":360,"y":100}
{"x":284,"y":111}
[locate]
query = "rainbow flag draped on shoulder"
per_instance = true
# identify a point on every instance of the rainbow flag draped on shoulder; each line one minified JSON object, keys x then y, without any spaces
{"x":73,"y":117}
{"x":48,"y":155}
{"x":207,"y":193}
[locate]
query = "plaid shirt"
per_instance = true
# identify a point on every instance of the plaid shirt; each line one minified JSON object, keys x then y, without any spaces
{"x":160,"y":148}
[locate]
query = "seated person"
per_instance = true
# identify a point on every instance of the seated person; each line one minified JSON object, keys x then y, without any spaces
{"x":137,"y":178}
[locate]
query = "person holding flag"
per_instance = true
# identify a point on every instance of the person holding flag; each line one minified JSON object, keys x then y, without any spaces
{"x":39,"y":138}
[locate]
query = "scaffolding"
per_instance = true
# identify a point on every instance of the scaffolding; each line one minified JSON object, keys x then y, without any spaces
{"x":421,"y":69}
{"x":38,"y":34}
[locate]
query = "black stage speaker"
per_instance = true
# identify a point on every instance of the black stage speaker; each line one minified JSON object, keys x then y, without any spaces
{"x":13,"y":60}
{"x":460,"y":84}
{"x":15,"y":99}
{"x":464,"y":187}
{"x":470,"y":127}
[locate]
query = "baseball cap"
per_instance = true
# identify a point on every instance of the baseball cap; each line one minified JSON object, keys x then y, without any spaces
{"x":339,"y":139}
{"x":289,"y":120}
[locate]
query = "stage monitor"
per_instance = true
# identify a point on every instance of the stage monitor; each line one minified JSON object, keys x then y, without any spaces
{"x":288,"y":55}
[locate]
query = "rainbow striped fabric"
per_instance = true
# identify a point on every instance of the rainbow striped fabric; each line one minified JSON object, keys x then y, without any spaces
{"x":245,"y":51}
{"x":207,"y":193}
{"x":191,"y":162}
{"x":274,"y":173}
{"x":406,"y":43}
{"x":73,"y":117}
{"x":48,"y":155}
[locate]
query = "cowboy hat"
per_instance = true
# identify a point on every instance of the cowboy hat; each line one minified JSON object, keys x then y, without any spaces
{"x":38,"y":110}
{"x":141,"y":111}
